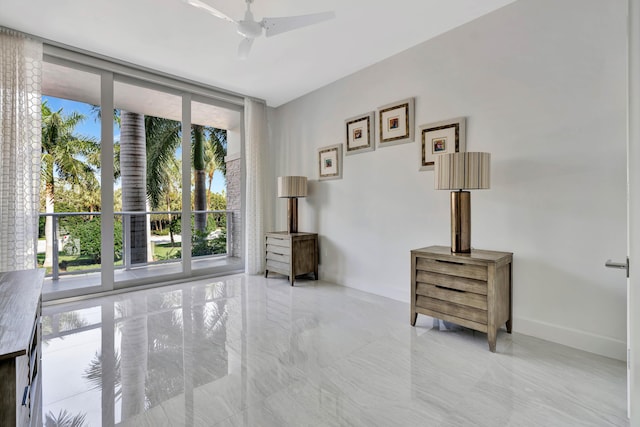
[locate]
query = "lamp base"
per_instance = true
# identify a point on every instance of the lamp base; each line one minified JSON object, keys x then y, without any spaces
{"x":292,"y":215}
{"x":460,"y":222}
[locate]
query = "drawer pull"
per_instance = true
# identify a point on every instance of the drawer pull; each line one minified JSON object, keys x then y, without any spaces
{"x":449,"y":262}
{"x":450,"y":289}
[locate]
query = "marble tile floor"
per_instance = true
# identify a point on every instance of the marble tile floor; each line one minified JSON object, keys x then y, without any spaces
{"x":247,"y":351}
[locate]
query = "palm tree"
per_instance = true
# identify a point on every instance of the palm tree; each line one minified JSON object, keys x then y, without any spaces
{"x":161,"y":138}
{"x":134,"y":356}
{"x":163,"y":168}
{"x":66,"y":156}
{"x":90,"y":198}
{"x":172,"y":178}
{"x":215,"y":152}
{"x":133,"y":173}
{"x":199,"y":196}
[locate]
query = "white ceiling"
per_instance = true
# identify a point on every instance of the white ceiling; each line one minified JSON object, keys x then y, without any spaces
{"x":175,"y":38}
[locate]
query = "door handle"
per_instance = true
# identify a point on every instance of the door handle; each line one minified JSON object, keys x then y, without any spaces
{"x":619,"y":265}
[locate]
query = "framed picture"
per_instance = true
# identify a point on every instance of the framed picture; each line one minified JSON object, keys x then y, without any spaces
{"x":395,"y":123}
{"x":447,"y":136}
{"x":360,"y":134}
{"x":330,"y":162}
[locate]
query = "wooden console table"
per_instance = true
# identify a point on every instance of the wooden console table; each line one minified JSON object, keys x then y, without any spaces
{"x":471,"y":290}
{"x":292,"y":254}
{"x":20,"y":348}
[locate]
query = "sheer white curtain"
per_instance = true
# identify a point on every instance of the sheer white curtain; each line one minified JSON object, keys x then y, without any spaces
{"x":256,"y":134}
{"x":20,"y":134}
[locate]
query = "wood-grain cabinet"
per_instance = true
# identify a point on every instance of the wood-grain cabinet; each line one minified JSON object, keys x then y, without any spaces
{"x":291,"y":254}
{"x":471,"y":290}
{"x":20,"y":348}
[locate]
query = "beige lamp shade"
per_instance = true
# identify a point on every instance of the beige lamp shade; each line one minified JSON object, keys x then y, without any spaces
{"x":292,"y":186}
{"x":462,"y":171}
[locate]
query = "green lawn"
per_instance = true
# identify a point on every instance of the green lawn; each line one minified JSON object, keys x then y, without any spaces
{"x":73,"y":263}
{"x":161,"y":252}
{"x":165,"y":251}
{"x":79,"y":262}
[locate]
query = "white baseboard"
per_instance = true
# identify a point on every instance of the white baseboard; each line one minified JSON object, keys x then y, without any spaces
{"x":598,"y":344}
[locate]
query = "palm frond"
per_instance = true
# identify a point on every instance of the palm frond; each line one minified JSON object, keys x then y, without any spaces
{"x":72,"y":157}
{"x":163,"y":138}
{"x":64,"y":419}
{"x":93,"y":374}
{"x":218,"y":142}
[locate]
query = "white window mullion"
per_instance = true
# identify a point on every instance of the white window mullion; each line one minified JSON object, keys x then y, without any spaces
{"x":106,"y":180}
{"x":186,"y":184}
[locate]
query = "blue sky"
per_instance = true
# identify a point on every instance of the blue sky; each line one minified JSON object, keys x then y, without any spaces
{"x":90,"y":126}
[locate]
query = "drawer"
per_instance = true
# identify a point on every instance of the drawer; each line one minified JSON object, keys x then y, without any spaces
{"x":278,"y":266}
{"x":475,"y":315}
{"x":452,"y":282}
{"x":471,"y":271}
{"x":277,"y":257}
{"x":282,"y":250}
{"x":276,"y":241}
{"x":468,"y":299}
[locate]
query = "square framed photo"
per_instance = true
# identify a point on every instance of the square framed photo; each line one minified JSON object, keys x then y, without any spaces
{"x":360,"y":134}
{"x":330,"y":162}
{"x":447,"y":136}
{"x":396,"y":123}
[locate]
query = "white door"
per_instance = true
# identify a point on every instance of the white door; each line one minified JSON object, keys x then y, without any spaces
{"x":633,"y":171}
{"x":632,"y":264}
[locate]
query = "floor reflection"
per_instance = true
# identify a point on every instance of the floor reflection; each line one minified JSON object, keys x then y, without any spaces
{"x":113,"y":359}
{"x":249,"y":351}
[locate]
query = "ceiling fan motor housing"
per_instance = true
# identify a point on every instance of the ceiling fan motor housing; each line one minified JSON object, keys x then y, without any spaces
{"x":249,"y":28}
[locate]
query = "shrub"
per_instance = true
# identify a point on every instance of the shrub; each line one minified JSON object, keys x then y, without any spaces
{"x":88,"y":233}
{"x":202,"y":245}
{"x":176,"y":225}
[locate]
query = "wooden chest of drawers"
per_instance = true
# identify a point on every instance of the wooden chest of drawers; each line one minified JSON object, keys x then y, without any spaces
{"x":20,"y":348}
{"x":292,"y":254}
{"x":471,"y":290}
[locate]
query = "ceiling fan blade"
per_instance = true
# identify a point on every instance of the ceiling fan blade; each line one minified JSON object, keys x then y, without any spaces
{"x":274,"y":26}
{"x":244,"y":48}
{"x":215,"y":12}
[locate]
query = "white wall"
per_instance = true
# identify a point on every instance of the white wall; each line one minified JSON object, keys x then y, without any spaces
{"x":234,"y":142}
{"x":543,"y":86}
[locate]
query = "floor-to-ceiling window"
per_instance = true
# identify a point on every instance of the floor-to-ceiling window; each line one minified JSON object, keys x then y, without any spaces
{"x":70,"y":199}
{"x":215,"y":201}
{"x":148,"y":198}
{"x":148,"y":191}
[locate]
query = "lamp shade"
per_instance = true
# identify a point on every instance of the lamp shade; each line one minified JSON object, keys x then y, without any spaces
{"x":292,"y":186}
{"x":462,"y":171}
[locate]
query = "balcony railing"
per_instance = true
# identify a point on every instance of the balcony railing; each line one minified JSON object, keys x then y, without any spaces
{"x":72,"y":235}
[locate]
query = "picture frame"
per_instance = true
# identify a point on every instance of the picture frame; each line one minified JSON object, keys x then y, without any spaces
{"x":396,"y":123}
{"x":360,"y":133}
{"x":446,"y":136}
{"x":330,"y":162}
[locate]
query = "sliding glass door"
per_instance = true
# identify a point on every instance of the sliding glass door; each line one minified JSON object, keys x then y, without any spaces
{"x":215,"y":236}
{"x":148,"y":188}
{"x":151,"y":198}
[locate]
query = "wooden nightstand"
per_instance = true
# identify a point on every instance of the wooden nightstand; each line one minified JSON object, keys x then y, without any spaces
{"x":292,"y":254}
{"x":471,"y":290}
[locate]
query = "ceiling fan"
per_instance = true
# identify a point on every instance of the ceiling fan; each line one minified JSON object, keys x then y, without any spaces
{"x":250,"y":29}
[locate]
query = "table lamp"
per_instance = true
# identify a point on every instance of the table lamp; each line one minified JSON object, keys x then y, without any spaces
{"x":292,"y":187}
{"x":461,"y":171}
